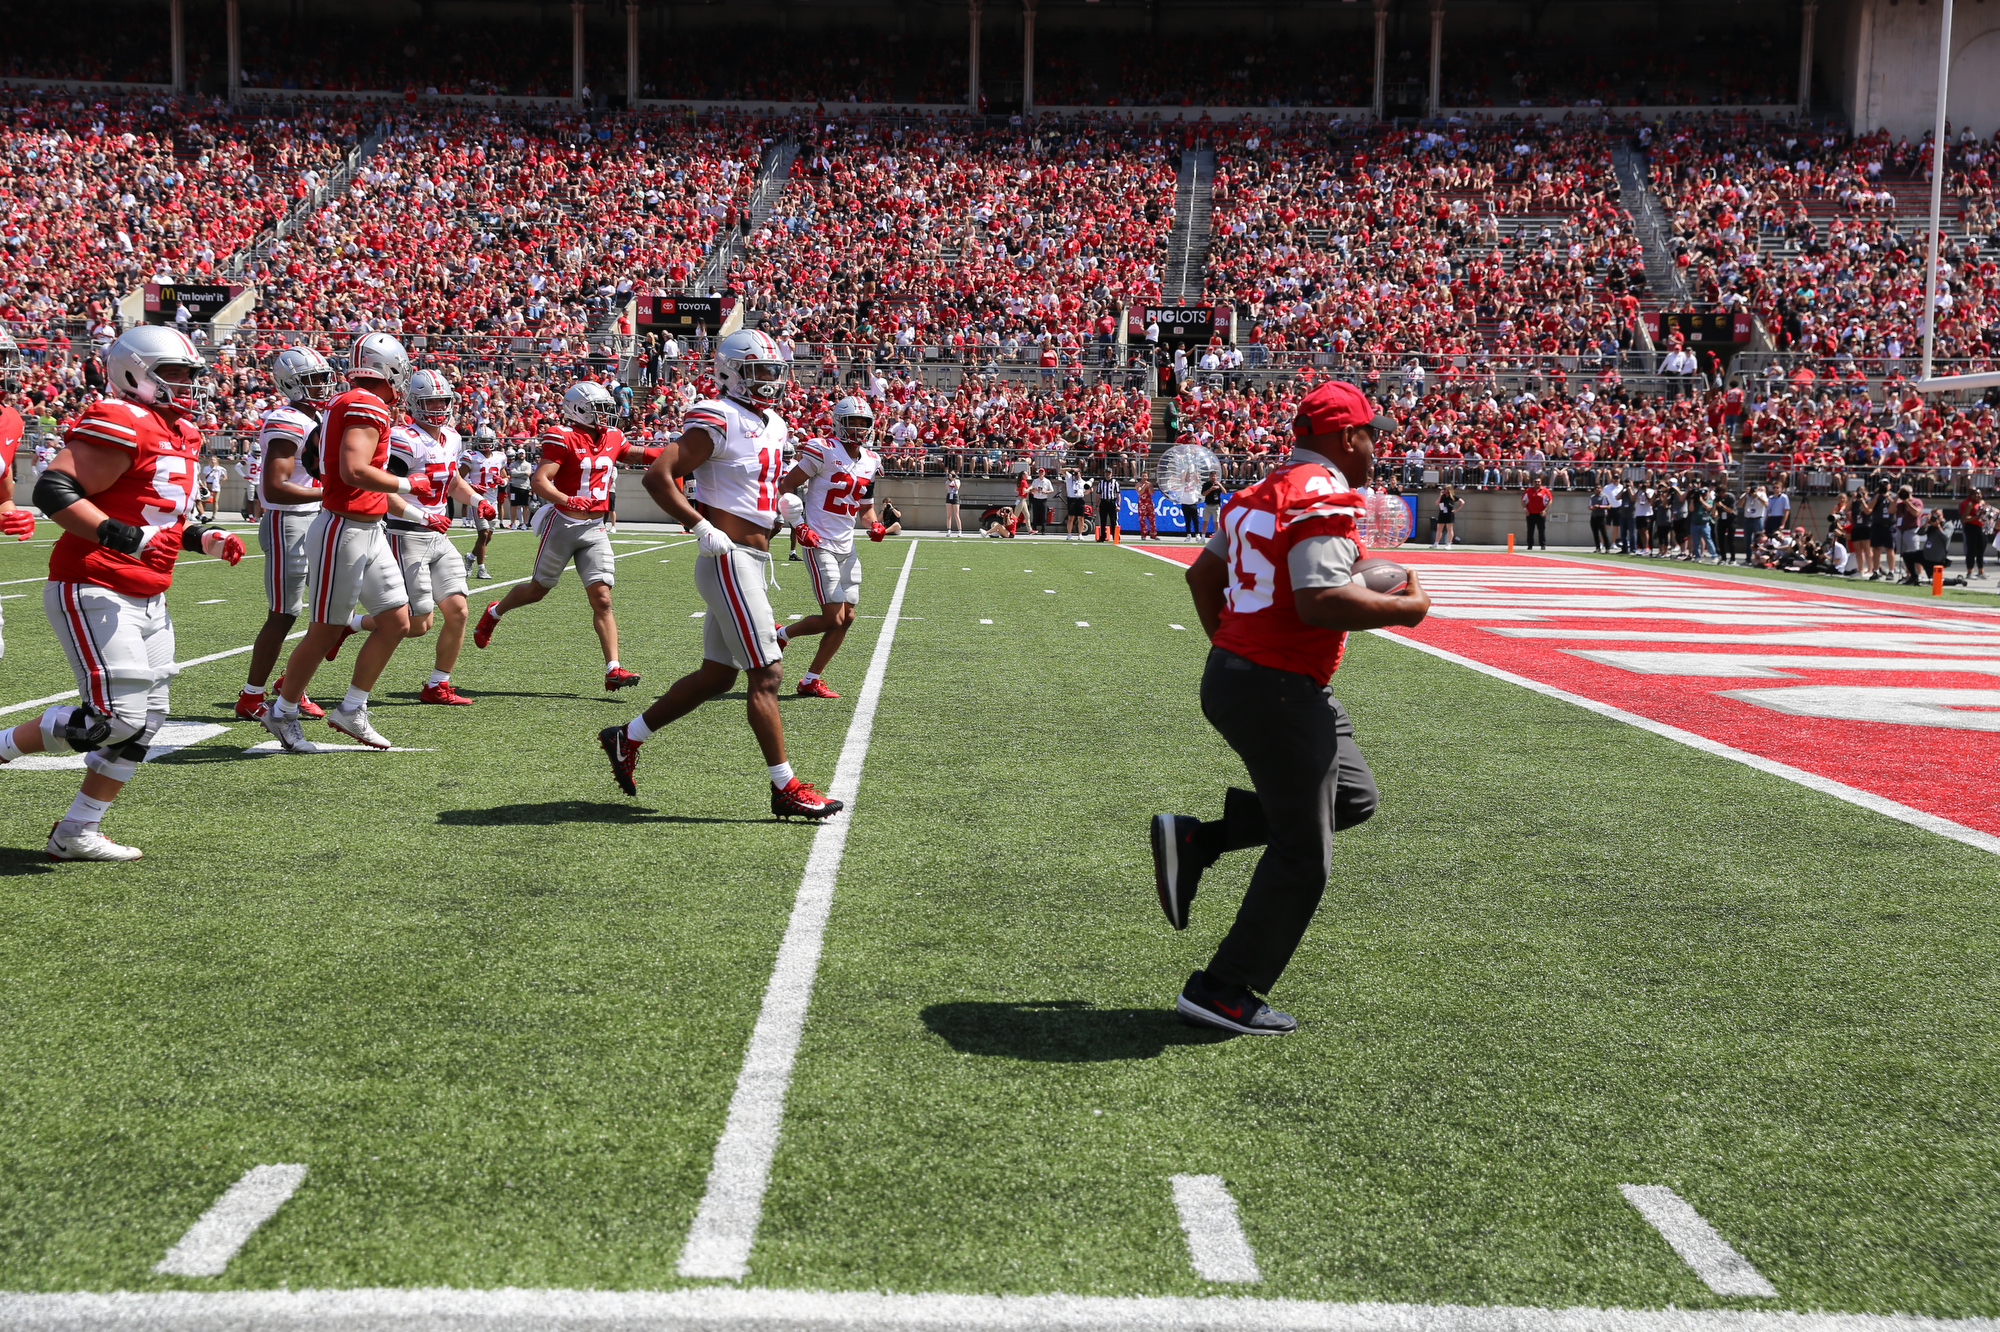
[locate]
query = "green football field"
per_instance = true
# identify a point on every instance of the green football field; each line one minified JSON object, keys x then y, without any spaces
{"x":499,"y":1011}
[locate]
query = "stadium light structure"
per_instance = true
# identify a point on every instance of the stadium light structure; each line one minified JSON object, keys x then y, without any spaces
{"x":1927,"y":383}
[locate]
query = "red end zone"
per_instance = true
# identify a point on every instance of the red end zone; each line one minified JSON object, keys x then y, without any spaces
{"x":1895,"y":698}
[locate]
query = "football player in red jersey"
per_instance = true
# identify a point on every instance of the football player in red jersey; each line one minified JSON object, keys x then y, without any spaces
{"x":14,"y":521}
{"x":348,"y":560}
{"x":119,"y":490}
{"x":575,"y":478}
{"x":1275,"y":592}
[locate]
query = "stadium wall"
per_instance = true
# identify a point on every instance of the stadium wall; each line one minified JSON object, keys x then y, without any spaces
{"x":1889,"y":71}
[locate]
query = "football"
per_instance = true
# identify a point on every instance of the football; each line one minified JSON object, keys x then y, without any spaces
{"x":1380,"y":575}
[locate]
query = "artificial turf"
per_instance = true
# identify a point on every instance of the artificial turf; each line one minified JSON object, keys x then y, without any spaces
{"x":499,"y":1010}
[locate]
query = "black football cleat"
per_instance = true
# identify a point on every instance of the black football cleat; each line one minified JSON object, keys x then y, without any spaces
{"x":1230,"y":1008}
{"x":800,"y":800}
{"x":1177,"y":865}
{"x":623,"y":751}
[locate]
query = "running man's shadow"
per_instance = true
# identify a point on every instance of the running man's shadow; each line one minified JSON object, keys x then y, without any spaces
{"x":24,"y":860}
{"x":1063,"y":1031}
{"x":550,"y":813}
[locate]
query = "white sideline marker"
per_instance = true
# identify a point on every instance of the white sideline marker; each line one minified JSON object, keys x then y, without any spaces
{"x":1215,"y":1240}
{"x":1725,"y":1271}
{"x":725,"y":1225}
{"x":224,"y":1228}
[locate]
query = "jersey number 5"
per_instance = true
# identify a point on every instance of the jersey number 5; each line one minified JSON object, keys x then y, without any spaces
{"x":165,"y":468}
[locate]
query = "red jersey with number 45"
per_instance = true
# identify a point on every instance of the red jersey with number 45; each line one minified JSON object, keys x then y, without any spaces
{"x":354,"y":408}
{"x":1261,"y":524}
{"x":153,"y":492}
{"x":583,"y":464}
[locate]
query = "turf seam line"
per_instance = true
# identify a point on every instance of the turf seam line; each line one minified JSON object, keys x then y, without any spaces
{"x":239,"y":651}
{"x":1902,"y":813}
{"x":732,"y":1205}
{"x":227,"y":1226}
{"x":1714,"y":1260}
{"x":1217,"y":1247}
{"x":730,"y":1309}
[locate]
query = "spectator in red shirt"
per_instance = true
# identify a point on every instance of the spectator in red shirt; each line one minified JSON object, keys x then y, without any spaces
{"x":1536,"y":500}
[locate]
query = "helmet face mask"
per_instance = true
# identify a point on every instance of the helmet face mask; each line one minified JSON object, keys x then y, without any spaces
{"x":853,"y":421}
{"x":589,"y":404}
{"x":304,"y":377}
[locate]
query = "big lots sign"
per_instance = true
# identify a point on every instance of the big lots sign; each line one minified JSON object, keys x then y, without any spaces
{"x":1178,"y":323}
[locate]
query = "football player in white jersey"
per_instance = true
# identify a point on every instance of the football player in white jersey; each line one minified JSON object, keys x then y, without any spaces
{"x":734,"y":447}
{"x":839,"y":501}
{"x":290,"y":498}
{"x":433,"y":572}
{"x":486,"y":469}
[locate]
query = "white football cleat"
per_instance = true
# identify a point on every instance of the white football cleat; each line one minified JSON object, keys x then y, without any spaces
{"x":355,"y":723}
{"x":290,"y":731}
{"x":87,"y":844}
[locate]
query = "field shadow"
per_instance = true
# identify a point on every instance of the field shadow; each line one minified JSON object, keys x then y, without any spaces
{"x":17,"y":860}
{"x":1063,"y":1031}
{"x":550,"y":813}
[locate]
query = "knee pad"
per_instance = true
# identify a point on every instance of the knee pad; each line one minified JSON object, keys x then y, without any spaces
{"x":101,"y":762}
{"x":79,"y":728}
{"x":120,"y":756}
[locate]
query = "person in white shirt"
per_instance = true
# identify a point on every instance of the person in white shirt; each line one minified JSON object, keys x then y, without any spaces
{"x":1073,"y":497}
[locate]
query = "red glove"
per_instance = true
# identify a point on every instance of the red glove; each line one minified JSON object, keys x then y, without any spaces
{"x":876,"y":531}
{"x":17,"y":523}
{"x":651,"y":454}
{"x":421,"y":489}
{"x":229,"y":549}
{"x":805,"y":536}
{"x":438,"y":522}
{"x":486,"y":509}
{"x":582,"y":502}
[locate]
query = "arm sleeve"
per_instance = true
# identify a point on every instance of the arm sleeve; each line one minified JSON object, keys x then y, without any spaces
{"x":1322,"y":561}
{"x":1218,"y":546}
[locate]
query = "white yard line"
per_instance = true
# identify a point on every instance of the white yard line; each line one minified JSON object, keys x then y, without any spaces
{"x":1215,"y":1240}
{"x":725,"y":1226}
{"x":1725,"y":1271}
{"x":239,"y":651}
{"x":1902,"y":813}
{"x":728,"y":1309}
{"x":227,"y":1226}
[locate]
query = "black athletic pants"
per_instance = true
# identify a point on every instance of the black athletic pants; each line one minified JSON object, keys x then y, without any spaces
{"x":1538,"y":522}
{"x":1107,"y":519}
{"x":1311,"y":781}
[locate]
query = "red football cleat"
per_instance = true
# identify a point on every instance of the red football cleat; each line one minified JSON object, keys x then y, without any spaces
{"x":251,"y":706}
{"x":482,"y":633}
{"x":802,"y":800}
{"x":346,"y":632}
{"x":815,"y":689}
{"x":620,"y":678}
{"x":442,"y":692}
{"x":784,"y":638}
{"x":307,"y":708}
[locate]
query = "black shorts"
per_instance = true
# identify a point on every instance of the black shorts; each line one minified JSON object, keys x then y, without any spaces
{"x":611,"y":502}
{"x":1078,"y":508}
{"x":520,"y":499}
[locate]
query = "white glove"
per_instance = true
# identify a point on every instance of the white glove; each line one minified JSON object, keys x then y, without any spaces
{"x":712,"y":539}
{"x":791,"y":510}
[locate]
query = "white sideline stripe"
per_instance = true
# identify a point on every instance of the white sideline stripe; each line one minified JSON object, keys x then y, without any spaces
{"x":729,"y":1309}
{"x":1725,"y":1271}
{"x":1215,"y":1240}
{"x":725,"y":1225}
{"x":1868,"y":800}
{"x":237,"y":652}
{"x":227,"y":1226}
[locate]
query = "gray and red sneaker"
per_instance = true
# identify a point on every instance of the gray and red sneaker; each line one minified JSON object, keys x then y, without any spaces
{"x":799,"y":799}
{"x":1230,"y":1008}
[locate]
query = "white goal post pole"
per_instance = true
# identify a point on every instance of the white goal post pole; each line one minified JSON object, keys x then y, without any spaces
{"x":1938,"y":152}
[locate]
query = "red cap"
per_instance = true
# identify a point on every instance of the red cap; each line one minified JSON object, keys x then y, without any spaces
{"x":1334,"y":405}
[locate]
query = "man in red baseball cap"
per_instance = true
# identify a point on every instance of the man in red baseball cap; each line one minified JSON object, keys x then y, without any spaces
{"x":1275,"y":592}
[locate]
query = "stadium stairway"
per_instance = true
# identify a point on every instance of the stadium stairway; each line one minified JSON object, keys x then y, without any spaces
{"x":237,"y":265}
{"x":1636,"y":193}
{"x":772,"y":177}
{"x":1187,"y":246}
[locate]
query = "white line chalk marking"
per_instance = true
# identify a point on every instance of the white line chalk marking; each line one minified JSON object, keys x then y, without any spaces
{"x":725,"y":1226}
{"x":1902,"y":813}
{"x":224,"y":1228}
{"x":1725,"y":1271}
{"x":1215,"y":1241}
{"x":1083,"y":624}
{"x":214,"y":602}
{"x":729,"y":1309}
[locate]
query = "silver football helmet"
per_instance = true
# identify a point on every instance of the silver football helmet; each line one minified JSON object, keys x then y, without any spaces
{"x":133,"y":362}
{"x":430,"y":396}
{"x":485,"y":438}
{"x":853,"y":420}
{"x":304,"y":377}
{"x":379,"y":356}
{"x":589,"y":404}
{"x":750,"y":368}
